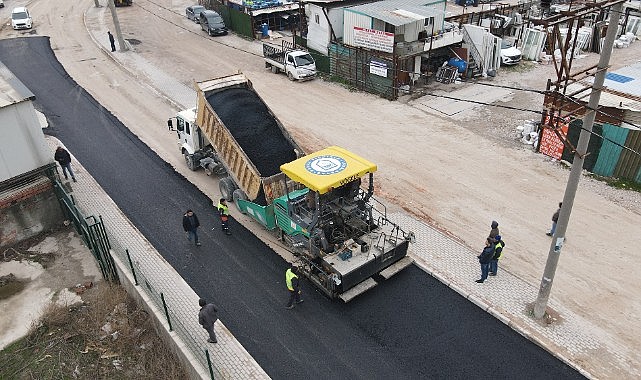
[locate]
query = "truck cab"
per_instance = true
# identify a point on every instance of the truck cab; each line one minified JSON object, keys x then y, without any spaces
{"x":194,"y":145}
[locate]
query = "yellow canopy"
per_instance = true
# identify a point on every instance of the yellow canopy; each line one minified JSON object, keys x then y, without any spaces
{"x":327,"y":169}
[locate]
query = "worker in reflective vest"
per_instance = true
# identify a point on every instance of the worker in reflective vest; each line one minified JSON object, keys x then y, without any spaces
{"x":293,"y":286}
{"x":498,"y":252}
{"x":223,"y":210}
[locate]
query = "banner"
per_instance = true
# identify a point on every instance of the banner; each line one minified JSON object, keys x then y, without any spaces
{"x":374,"y":39}
{"x":551,"y":145}
{"x":378,"y":68}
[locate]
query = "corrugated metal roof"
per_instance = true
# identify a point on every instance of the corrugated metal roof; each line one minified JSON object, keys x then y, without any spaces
{"x":614,"y":94}
{"x":11,"y":89}
{"x":385,"y":10}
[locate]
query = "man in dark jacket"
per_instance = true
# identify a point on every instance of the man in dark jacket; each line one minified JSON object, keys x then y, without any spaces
{"x":555,"y":218}
{"x":494,"y":231}
{"x":207,"y":316}
{"x":484,"y":258}
{"x":64,"y":159}
{"x":190,"y":225}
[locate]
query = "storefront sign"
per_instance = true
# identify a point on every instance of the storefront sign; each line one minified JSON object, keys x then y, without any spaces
{"x":374,"y":39}
{"x":551,"y":145}
{"x":378,"y":68}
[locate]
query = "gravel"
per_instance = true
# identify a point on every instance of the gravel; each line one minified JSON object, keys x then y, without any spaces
{"x":254,"y":128}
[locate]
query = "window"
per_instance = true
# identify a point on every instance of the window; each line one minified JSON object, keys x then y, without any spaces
{"x":389,"y":28}
{"x":317,"y":19}
{"x":429,"y":21}
{"x":180,"y":124}
{"x":187,"y":128}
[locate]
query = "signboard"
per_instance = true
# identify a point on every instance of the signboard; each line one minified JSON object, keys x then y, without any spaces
{"x":378,"y":68}
{"x":374,"y":39}
{"x":551,"y":145}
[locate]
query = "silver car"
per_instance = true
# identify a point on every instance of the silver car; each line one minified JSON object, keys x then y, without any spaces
{"x":193,"y":12}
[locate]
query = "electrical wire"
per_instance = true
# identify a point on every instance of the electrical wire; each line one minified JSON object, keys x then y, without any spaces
{"x":421,"y":92}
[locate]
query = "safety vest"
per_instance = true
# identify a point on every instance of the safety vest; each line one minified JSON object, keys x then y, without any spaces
{"x":499,"y":245}
{"x":223,"y":209}
{"x":289,"y":276}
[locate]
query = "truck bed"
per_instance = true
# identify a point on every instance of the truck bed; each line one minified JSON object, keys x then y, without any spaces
{"x":255,"y":129}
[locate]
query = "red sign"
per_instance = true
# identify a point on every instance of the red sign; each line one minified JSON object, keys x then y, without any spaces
{"x":551,"y":145}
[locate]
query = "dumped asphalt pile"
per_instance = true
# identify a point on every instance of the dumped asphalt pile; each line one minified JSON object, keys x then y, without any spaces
{"x":250,"y":122}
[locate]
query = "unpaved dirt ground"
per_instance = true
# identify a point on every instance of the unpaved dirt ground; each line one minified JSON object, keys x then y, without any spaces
{"x":457,"y":173}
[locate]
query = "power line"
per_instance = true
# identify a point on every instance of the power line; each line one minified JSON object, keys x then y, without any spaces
{"x":420,"y":92}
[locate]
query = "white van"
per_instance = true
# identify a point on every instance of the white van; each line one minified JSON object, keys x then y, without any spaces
{"x":20,"y":18}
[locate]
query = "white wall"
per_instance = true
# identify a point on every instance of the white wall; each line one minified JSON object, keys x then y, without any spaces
{"x":22,"y":143}
{"x":351,"y":20}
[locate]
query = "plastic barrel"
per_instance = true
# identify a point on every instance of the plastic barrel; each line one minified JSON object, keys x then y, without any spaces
{"x":264,"y":30}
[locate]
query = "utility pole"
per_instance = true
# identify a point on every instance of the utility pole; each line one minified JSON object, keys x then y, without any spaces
{"x":114,"y":15}
{"x":577,"y":165}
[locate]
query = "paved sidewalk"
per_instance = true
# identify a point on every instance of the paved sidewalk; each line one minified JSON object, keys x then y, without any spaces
{"x":156,"y":275}
{"x":507,"y":297}
{"x":572,"y":338}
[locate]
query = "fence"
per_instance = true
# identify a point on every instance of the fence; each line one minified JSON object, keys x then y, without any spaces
{"x":92,"y":231}
{"x":607,"y":157}
{"x":97,"y":238}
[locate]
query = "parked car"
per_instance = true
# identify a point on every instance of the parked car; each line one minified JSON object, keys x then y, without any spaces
{"x":193,"y":12}
{"x":212,"y":23}
{"x":510,"y":55}
{"x":20,"y":18}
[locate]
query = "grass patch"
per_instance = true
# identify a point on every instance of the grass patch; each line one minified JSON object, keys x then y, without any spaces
{"x":619,"y":183}
{"x":106,"y":337}
{"x":522,"y":67}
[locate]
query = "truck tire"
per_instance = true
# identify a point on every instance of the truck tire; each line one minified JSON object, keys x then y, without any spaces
{"x":190,"y":161}
{"x":239,"y":194}
{"x":291,"y":76}
{"x":274,"y":69}
{"x":227,"y":187}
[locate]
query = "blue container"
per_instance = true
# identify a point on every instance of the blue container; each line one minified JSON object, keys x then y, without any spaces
{"x":460,"y":64}
{"x":264,"y":30}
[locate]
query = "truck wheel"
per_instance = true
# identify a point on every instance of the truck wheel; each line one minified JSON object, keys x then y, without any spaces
{"x":227,"y":187}
{"x":239,"y":194}
{"x":274,"y":69}
{"x":189,"y":160}
{"x":291,"y":76}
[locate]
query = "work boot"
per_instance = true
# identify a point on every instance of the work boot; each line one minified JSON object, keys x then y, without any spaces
{"x":479,"y":281}
{"x":74,"y":179}
{"x":289,"y":307}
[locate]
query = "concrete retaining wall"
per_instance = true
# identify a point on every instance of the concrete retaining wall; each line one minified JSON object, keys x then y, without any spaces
{"x":27,"y":211}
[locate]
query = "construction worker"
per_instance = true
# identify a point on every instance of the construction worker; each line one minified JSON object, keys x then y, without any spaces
{"x":223,"y":211}
{"x":498,"y":252}
{"x":293,"y":286}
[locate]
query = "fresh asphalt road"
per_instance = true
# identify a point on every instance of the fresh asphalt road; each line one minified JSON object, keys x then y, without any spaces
{"x":410,"y":327}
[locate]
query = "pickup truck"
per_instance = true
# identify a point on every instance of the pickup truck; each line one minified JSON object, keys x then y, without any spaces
{"x":297,"y":64}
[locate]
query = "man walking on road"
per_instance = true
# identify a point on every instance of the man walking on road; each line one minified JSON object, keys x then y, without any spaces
{"x":223,"y":211}
{"x":64,"y":159}
{"x":484,"y":258}
{"x":190,"y":225}
{"x":112,"y":41}
{"x":293,"y":286}
{"x":555,"y":218}
{"x":207,"y":316}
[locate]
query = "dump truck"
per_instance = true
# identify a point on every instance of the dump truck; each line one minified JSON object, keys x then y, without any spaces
{"x":321,"y":205}
{"x":297,"y":64}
